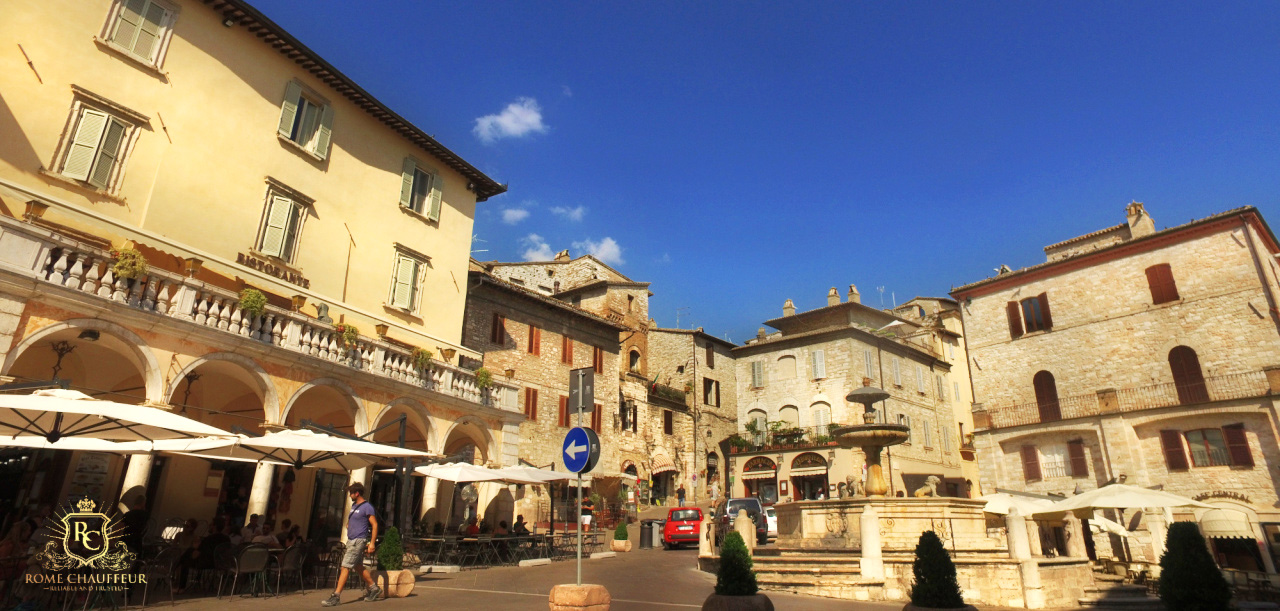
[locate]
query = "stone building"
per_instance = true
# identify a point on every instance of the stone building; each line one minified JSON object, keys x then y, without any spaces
{"x":533,"y":340}
{"x":791,"y":387}
{"x":702,"y":365}
{"x":201,"y":136}
{"x":1140,"y":356}
{"x":654,"y":421}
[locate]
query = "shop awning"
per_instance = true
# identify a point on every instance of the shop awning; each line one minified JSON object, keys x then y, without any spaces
{"x":1226,"y":524}
{"x":662,"y":463}
{"x":808,"y":471}
{"x":760,"y":474}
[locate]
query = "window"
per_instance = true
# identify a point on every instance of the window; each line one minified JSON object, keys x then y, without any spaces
{"x":406,"y":281}
{"x":140,"y":29}
{"x":927,"y":432}
{"x":866,"y":358}
{"x":785,"y":367}
{"x":818,"y":363}
{"x":597,"y":359}
{"x":420,"y":189}
{"x":946,"y":439}
{"x":1035,"y":314}
{"x":942,"y":388}
{"x":757,"y":374}
{"x":951,"y":350}
{"x":305,"y":120}
{"x":760,"y":421}
{"x":498,"y":332}
{"x":956,"y":387}
{"x":97,"y":147}
{"x":711,"y":356}
{"x":821,"y":418}
{"x":1160,"y":280}
{"x":1187,"y":377}
{"x":897,"y":372}
{"x":564,"y":411}
{"x":627,"y":414}
{"x":711,"y":392}
{"x":531,"y":403}
{"x":535,"y":340}
{"x":1053,"y":461}
{"x":596,"y":417}
{"x":1047,"y":397}
{"x":633,"y":361}
{"x":1208,"y":448}
{"x":920,"y":379}
{"x":668,"y":422}
{"x":1175,"y":458}
{"x":631,"y":303}
{"x":566,"y":350}
{"x":282,"y":221}
{"x":1079,"y":463}
{"x":1030,"y":464}
{"x":905,"y":420}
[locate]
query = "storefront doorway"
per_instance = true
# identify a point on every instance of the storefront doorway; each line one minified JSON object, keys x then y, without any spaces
{"x":760,"y":479}
{"x":809,"y":477}
{"x":328,"y":507}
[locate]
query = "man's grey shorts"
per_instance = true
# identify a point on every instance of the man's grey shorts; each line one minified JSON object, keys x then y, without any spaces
{"x":355,"y":553}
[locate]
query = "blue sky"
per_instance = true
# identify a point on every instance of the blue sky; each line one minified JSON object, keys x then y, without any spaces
{"x":739,"y":154}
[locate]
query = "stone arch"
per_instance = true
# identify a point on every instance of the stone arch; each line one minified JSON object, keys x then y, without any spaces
{"x":789,"y":414}
{"x":415,"y":419}
{"x":151,"y":374}
{"x":270,"y":399}
{"x":787,"y":367}
{"x":465,"y":426}
{"x":359,"y":417}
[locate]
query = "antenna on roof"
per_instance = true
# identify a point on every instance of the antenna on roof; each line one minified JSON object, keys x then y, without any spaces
{"x":881,"y":289}
{"x":475,"y":238}
{"x":678,"y":311}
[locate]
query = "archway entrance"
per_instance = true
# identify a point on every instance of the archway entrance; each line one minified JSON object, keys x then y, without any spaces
{"x":760,"y":479}
{"x":399,"y":505}
{"x":326,"y":406}
{"x":809,"y":477}
{"x":466,"y":444}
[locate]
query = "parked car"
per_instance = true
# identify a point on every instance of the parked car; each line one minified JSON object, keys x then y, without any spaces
{"x":727,"y":509}
{"x":771,"y":517}
{"x":684,"y":525}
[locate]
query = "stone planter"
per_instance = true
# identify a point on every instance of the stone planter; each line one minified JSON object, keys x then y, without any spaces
{"x":621,"y":545}
{"x":586,"y":597}
{"x":755,"y":602}
{"x":911,"y":607}
{"x":395,"y":584}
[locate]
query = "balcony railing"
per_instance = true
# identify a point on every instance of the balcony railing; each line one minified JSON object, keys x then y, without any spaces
{"x":1219,"y":388}
{"x":87,"y":269}
{"x":675,"y":395}
{"x":788,"y":437}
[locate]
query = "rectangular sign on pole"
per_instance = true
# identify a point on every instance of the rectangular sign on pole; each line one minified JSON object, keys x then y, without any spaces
{"x":582,"y":389}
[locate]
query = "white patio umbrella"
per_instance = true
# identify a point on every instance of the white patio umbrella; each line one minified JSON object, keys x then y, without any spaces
{"x":56,"y":414}
{"x":1103,"y":525}
{"x":1117,"y":496}
{"x":534,"y":475}
{"x":464,"y":473}
{"x":87,"y":444}
{"x":1000,"y":502}
{"x":296,"y":448}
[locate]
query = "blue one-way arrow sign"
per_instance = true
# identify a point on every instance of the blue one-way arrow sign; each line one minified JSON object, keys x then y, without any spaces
{"x":581,"y":450}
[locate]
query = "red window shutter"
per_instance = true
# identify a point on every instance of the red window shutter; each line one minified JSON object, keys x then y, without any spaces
{"x":1238,"y":445}
{"x":1187,"y":377}
{"x":597,"y":359}
{"x":1015,"y":319}
{"x":717,"y":387}
{"x":564,"y":410}
{"x":1163,"y":287}
{"x":531,"y":403}
{"x":1043,"y":298}
{"x":566,"y":350}
{"x":667,"y":422}
{"x":1030,"y":464}
{"x":711,"y":356}
{"x":595,"y":418}
{"x":535,"y":340}
{"x":495,"y":331}
{"x":1047,"y":397}
{"x":1079,"y":464}
{"x":1175,"y":456}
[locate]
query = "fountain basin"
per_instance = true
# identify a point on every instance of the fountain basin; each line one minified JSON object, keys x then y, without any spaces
{"x":864,"y":435}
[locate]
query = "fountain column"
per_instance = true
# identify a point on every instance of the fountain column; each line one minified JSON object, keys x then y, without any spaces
{"x":872,"y":562}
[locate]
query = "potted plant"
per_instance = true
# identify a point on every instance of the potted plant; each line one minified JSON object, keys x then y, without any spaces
{"x":253,"y":302}
{"x":484,"y":379}
{"x":348,"y":334}
{"x":1188,"y":577}
{"x":395,"y":580}
{"x":130,"y":264}
{"x":621,"y":542}
{"x":421,"y":358}
{"x":935,"y":585}
{"x":736,"y":588}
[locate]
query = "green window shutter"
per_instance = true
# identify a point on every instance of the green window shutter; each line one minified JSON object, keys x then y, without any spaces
{"x":84,"y":144}
{"x":405,"y":282}
{"x":289,"y":110}
{"x":406,"y":181}
{"x":437,"y":186}
{"x":273,"y":237}
{"x":149,"y":31}
{"x":107,"y":154}
{"x":128,"y":23}
{"x":326,"y":132}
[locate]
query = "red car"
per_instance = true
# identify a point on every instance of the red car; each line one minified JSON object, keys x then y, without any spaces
{"x":684,"y":524}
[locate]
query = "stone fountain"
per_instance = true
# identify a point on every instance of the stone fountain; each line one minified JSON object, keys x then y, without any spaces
{"x":870,"y":437}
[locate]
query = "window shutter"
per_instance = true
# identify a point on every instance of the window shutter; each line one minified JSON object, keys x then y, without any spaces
{"x":1043,"y":298}
{"x":757,"y":374}
{"x":717,"y":387}
{"x":289,"y":110}
{"x":920,"y":379}
{"x":597,"y":359}
{"x":405,"y":280}
{"x":866,"y":357}
{"x":149,"y":31}
{"x":535,"y":340}
{"x":819,"y":364}
{"x":946,"y":439}
{"x":1175,"y":457}
{"x":1015,"y":319}
{"x":564,"y":410}
{"x":1079,"y":464}
{"x":277,"y":225}
{"x":566,"y":350}
{"x":1238,"y":445}
{"x":498,"y":334}
{"x":928,"y":434}
{"x":437,"y":187}
{"x":897,"y":372}
{"x":85,"y":143}
{"x":406,"y":182}
{"x":1030,"y":464}
{"x":596,"y":418}
{"x":107,"y":154}
{"x":326,"y":132}
{"x":711,"y":356}
{"x":1156,"y":284}
{"x":130,"y":21}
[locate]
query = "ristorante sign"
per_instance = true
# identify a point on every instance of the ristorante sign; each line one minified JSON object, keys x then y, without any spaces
{"x":268,"y":267}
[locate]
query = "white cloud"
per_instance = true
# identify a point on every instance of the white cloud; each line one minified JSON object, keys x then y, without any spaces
{"x":571,"y":214}
{"x":536,"y":248}
{"x":606,"y":250}
{"x":519,"y":118}
{"x":511,"y":216}
{"x":665,"y":258}
{"x":568,"y":93}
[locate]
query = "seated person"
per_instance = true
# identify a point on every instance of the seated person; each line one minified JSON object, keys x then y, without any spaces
{"x":266,"y":538}
{"x":520,"y":528}
{"x":473,"y":527}
{"x":502,"y":528}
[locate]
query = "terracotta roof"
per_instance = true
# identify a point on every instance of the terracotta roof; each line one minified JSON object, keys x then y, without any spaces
{"x":1085,"y":236}
{"x":785,"y":320}
{"x":697,"y":332}
{"x":775,"y":340}
{"x":536,"y":296}
{"x":241,"y":14}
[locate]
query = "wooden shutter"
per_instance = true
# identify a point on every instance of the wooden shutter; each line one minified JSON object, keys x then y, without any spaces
{"x":289,"y":110}
{"x":1175,"y":456}
{"x":535,"y":340}
{"x":1030,"y":464}
{"x":717,"y":387}
{"x":498,"y":334}
{"x":597,"y":359}
{"x":437,"y":189}
{"x":1014,"y":312}
{"x":1079,"y":464}
{"x":866,"y":358}
{"x":107,"y":154}
{"x":711,"y":356}
{"x":1045,"y":316}
{"x":928,"y":434}
{"x":1163,"y":287}
{"x":128,"y":23}
{"x":757,"y":374}
{"x":149,"y":31}
{"x":819,"y":364}
{"x":531,"y":403}
{"x":404,"y":283}
{"x":668,"y":423}
{"x":920,"y":379}
{"x":1187,"y":377}
{"x":325,"y":133}
{"x":1047,"y":397}
{"x":1238,"y":445}
{"x":596,"y":417}
{"x":564,"y":410}
{"x":566,"y":350}
{"x":897,"y":372}
{"x":84,"y":144}
{"x":406,"y":182}
{"x":273,"y":237}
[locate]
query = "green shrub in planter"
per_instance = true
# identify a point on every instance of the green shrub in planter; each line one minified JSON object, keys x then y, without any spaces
{"x":935,"y":585}
{"x":391,"y":552}
{"x":1189,"y":579}
{"x":253,"y":302}
{"x":421,"y":357}
{"x":735,"y":577}
{"x":484,"y":378}
{"x":620,"y":533}
{"x":130,"y":263}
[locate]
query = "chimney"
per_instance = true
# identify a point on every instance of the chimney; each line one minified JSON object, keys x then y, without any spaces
{"x":788,"y":308}
{"x":833,"y":297}
{"x":562,"y":255}
{"x":854,"y":296}
{"x":760,"y":333}
{"x":1140,"y":223}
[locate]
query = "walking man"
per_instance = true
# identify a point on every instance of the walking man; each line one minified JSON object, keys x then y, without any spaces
{"x":680,"y":496}
{"x":362,"y":531}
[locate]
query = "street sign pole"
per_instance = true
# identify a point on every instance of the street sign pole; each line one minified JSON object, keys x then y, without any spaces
{"x":581,"y":375}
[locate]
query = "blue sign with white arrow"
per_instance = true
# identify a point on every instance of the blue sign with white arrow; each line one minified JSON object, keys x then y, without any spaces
{"x":581,"y":450}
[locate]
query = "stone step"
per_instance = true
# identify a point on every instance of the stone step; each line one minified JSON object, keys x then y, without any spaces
{"x":804,"y":570}
{"x":806,"y":551}
{"x":1122,"y":602}
{"x":1116,"y":590}
{"x":781,"y":582}
{"x":807,"y":560}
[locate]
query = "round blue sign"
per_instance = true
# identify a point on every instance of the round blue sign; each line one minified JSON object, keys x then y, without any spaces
{"x":581,"y":450}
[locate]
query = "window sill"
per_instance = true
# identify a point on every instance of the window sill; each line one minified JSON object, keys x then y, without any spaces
{"x":302,"y":150}
{"x":402,"y":312}
{"x":418,"y":215}
{"x":138,"y":62}
{"x":84,"y":186}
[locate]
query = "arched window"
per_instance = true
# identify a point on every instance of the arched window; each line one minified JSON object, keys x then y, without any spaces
{"x":821,"y":413}
{"x":1187,"y":376}
{"x":786,"y":367}
{"x":1047,"y":397}
{"x":634,"y":362}
{"x":790,"y":414}
{"x":757,"y":419}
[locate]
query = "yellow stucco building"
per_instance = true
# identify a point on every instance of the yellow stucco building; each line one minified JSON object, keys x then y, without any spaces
{"x":202,"y":137}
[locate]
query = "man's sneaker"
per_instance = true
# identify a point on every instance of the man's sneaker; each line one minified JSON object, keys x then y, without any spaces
{"x":333,"y":601}
{"x":371,"y":594}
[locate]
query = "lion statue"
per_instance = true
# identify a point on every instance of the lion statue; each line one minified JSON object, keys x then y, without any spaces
{"x":930,"y":487}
